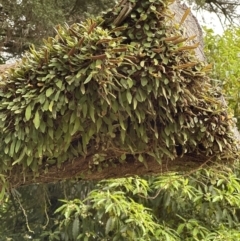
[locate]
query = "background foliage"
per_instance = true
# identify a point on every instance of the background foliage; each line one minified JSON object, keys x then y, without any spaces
{"x":25,"y":22}
{"x":200,"y":206}
{"x":224,"y":52}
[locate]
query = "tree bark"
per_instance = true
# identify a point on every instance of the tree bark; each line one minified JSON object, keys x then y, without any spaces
{"x":79,"y":169}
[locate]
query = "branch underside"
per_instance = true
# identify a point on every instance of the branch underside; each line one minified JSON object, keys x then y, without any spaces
{"x":79,"y":169}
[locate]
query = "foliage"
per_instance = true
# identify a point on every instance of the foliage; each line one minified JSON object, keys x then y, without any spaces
{"x":26,"y":22}
{"x":203,"y":205}
{"x":111,"y":91}
{"x":224,"y":52}
{"x":20,"y":27}
{"x":116,"y":216}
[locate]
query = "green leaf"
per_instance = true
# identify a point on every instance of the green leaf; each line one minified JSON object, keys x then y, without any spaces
{"x":130,"y":82}
{"x":46,"y":105}
{"x":135,"y":103}
{"x":109,"y":225}
{"x":28,"y":112}
{"x":121,"y":122}
{"x":49,"y":91}
{"x":99,"y":124}
{"x":36,"y":120}
{"x":6,"y":150}
{"x":88,"y":78}
{"x":92,"y":113}
{"x":82,"y":88}
{"x":8,"y":138}
{"x":75,"y":228}
{"x":76,"y":126}
{"x":50,"y":132}
{"x":84,"y":109}
{"x":129,"y":97}
{"x":123,"y":135}
{"x":51,"y":105}
{"x":18,"y":144}
{"x":21,"y":156}
{"x":12,"y":148}
{"x":29,"y":160}
{"x":219,"y":144}
{"x":59,"y":84}
{"x":140,"y":158}
{"x":144,"y":81}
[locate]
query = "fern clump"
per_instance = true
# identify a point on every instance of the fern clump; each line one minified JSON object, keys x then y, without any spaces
{"x":111,"y":89}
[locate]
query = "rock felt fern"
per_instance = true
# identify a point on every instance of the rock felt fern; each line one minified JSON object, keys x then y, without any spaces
{"x":111,"y":91}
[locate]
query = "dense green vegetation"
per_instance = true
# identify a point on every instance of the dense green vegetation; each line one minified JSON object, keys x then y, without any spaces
{"x":203,"y":205}
{"x":23,"y":23}
{"x":111,"y":91}
{"x":224,"y":52}
{"x":199,"y":205}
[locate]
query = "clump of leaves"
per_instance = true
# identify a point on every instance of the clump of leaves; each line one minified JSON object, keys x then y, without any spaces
{"x":111,"y":88}
{"x":116,"y":216}
{"x":202,"y":206}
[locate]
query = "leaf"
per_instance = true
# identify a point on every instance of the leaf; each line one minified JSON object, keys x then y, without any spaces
{"x":72,"y":118}
{"x":12,"y":148}
{"x":121,"y":122}
{"x":129,"y":97}
{"x":180,"y":228}
{"x":36,"y":120}
{"x":123,"y":135}
{"x":219,"y":144}
{"x":51,"y":105}
{"x":84,"y":109}
{"x":88,"y":78}
{"x":144,"y":81}
{"x":135,"y":103}
{"x":130,"y":82}
{"x":188,"y":10}
{"x":59,"y":84}
{"x":29,"y":160}
{"x":75,"y":228}
{"x":8,"y":138}
{"x":99,"y":124}
{"x":46,"y":105}
{"x":140,"y":158}
{"x":6,"y":150}
{"x":98,"y":64}
{"x":76,"y":126}
{"x":28,"y":112}
{"x":82,"y":88}
{"x":50,"y":133}
{"x":49,"y":91}
{"x":91,"y":113}
{"x":109,"y":225}
{"x":18,"y":144}
{"x":21,"y":156}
